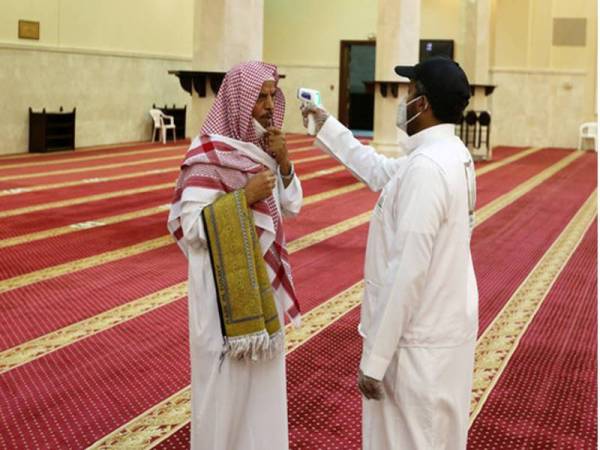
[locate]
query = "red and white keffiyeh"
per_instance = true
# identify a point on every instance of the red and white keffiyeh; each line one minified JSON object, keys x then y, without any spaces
{"x":224,"y":157}
{"x":231,"y":113}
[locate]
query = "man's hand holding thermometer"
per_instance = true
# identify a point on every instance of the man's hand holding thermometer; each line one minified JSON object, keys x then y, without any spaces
{"x":314,"y":115}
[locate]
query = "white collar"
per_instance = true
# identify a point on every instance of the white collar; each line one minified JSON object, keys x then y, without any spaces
{"x":428,"y":135}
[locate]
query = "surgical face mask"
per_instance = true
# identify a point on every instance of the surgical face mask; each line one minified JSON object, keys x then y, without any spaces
{"x":259,"y":130}
{"x":402,"y":120}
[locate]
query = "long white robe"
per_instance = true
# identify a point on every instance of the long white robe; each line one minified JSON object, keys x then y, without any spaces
{"x":236,"y":405}
{"x":419,"y":312}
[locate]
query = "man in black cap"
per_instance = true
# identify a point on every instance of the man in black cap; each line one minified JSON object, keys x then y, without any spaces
{"x":419,"y":312}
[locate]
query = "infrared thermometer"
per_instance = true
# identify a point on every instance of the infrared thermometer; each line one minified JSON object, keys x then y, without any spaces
{"x":307,"y":97}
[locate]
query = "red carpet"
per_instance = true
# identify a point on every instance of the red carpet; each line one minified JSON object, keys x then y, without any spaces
{"x":85,"y":389}
{"x":548,"y":395}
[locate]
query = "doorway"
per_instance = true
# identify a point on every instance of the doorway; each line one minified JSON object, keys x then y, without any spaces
{"x":357,"y":101}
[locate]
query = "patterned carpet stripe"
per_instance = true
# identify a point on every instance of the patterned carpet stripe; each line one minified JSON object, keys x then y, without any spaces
{"x":69,"y":162}
{"x":84,"y":199}
{"x":314,"y":415}
{"x":84,"y":263}
{"x":120,"y":157}
{"x":88,"y":169}
{"x":503,"y":162}
{"x":31,"y":350}
{"x":41,"y":182}
{"x":508,"y":177}
{"x":88,"y":181}
{"x":70,"y":193}
{"x":307,"y":258}
{"x":343,"y":309}
{"x":85,"y":181}
{"x":22,"y":320}
{"x":323,"y":398}
{"x":82,"y":152}
{"x":547,"y":395}
{"x":85,"y":212}
{"x":500,"y":202}
{"x":101,"y":181}
{"x":22,"y":197}
{"x":108,"y":151}
{"x":136,"y":162}
{"x":137,"y":190}
{"x":125,"y":252}
{"x":139,"y":359}
{"x":103,"y":221}
{"x":60,"y":270}
{"x":57,"y":177}
{"x":526,"y":229}
{"x":498,"y":342}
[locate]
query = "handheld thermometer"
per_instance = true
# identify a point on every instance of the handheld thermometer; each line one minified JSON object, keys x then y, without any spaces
{"x":308,"y":96}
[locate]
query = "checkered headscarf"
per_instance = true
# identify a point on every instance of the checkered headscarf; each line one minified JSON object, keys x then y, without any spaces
{"x":231,"y":113}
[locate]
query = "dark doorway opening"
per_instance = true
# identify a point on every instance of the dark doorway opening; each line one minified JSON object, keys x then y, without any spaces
{"x":356,"y":103}
{"x":357,"y":68}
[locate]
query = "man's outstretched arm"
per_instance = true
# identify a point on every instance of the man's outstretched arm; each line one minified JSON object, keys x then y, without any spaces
{"x":363,"y":161}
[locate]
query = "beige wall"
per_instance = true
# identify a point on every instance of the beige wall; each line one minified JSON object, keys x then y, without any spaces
{"x":88,"y":48}
{"x":112,"y":94}
{"x":525,"y":65}
{"x":305,"y":41}
{"x":109,"y":59}
{"x":154,"y":27}
{"x":544,"y":92}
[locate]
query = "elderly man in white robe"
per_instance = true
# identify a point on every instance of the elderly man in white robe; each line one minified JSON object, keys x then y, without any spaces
{"x":419,"y":315}
{"x":236,"y":183}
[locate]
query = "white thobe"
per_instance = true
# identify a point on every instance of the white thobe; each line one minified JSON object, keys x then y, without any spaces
{"x":419,"y":312}
{"x":236,"y":405}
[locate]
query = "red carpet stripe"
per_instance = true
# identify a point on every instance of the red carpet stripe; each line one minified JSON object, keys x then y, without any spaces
{"x":323,"y":401}
{"x":357,"y":248}
{"x":27,"y":158}
{"x":22,"y":303}
{"x":99,"y":236}
{"x":51,"y":218}
{"x":525,"y":230}
{"x":306,"y":274}
{"x":79,"y":414}
{"x":508,"y":177}
{"x":547,"y":395}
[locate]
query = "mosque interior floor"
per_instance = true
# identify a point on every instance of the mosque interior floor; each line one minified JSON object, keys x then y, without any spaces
{"x":93,"y":315}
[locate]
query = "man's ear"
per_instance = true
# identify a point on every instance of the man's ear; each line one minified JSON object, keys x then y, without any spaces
{"x":423,"y":103}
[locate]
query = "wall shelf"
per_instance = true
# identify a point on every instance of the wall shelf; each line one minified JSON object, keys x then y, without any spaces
{"x":198,"y":80}
{"x":51,"y":131}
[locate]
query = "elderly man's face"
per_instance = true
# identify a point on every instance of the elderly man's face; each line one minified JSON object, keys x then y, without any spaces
{"x":263,"y":110}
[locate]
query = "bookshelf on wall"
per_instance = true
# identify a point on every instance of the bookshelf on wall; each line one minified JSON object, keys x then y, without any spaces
{"x":51,"y":131}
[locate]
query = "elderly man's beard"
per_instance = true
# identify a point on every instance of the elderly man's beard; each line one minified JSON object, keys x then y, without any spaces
{"x":259,"y":129}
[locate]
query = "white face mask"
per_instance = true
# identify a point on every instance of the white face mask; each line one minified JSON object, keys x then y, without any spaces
{"x":401,"y":117}
{"x":259,"y":130}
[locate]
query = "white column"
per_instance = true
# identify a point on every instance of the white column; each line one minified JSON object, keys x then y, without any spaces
{"x":477,"y":42}
{"x":226,"y":33}
{"x":398,"y":31}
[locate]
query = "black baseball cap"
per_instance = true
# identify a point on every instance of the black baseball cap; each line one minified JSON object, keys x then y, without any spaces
{"x":441,"y":77}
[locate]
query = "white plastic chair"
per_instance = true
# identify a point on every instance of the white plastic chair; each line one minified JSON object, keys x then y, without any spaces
{"x":162,"y":123}
{"x":588,"y":130}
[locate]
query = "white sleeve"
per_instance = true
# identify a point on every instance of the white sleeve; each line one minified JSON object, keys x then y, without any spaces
{"x":368,"y":166}
{"x":290,"y":197}
{"x":191,"y":217}
{"x":420,"y":208}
